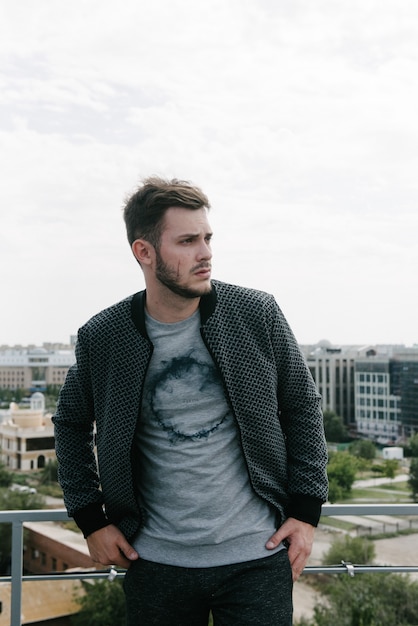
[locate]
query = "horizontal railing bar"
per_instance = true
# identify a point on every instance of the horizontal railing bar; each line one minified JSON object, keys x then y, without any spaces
{"x":311,"y":569}
{"x":32,"y":515}
{"x":57,"y":515}
{"x":66,"y":576}
{"x":360,"y":569}
{"x":370,"y":509}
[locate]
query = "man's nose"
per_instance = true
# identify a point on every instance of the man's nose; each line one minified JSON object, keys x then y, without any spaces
{"x":205,"y":251}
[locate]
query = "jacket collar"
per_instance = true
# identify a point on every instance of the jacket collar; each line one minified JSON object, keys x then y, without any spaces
{"x":207,"y":306}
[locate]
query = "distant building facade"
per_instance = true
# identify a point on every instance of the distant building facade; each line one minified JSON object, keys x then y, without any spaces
{"x":373,"y":388}
{"x":34,"y":369}
{"x":51,"y":548}
{"x":404,"y":376}
{"x":378,"y":410}
{"x":27,"y":436}
{"x":387,"y":395}
{"x":332,"y":368}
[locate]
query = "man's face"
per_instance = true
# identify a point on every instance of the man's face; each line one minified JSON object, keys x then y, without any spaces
{"x":183,"y":257}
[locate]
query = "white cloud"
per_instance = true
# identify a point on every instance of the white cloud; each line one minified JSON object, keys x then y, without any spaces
{"x":297,"y":118}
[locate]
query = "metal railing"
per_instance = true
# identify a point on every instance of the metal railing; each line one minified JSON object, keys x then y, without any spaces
{"x":18,"y":518}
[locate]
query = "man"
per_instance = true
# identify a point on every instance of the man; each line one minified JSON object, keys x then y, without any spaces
{"x":211,"y":458}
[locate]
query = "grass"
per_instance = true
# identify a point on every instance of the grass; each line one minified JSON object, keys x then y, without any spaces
{"x":397,"y":487}
{"x":392,"y":493}
{"x":336,"y":522}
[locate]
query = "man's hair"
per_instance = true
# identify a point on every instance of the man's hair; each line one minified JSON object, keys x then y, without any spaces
{"x":144,"y":211}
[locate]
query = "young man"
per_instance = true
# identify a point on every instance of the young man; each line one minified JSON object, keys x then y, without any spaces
{"x":211,"y":458}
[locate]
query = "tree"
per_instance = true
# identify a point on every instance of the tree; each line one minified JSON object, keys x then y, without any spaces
{"x":350,"y":549}
{"x":335,"y":430}
{"x":413,"y":478}
{"x":335,"y":492}
{"x":413,"y":445}
{"x":389,"y":468}
{"x":368,"y":600}
{"x":341,"y":470}
{"x":50,"y":473}
{"x":6,"y":477}
{"x":363,"y":448}
{"x":103,"y":604}
{"x":11,"y":395}
{"x":365,"y":599}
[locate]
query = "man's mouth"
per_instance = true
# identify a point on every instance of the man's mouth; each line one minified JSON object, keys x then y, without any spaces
{"x":202,"y":269}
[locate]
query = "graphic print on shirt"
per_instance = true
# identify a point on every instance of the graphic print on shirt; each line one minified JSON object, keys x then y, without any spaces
{"x":181,"y":397}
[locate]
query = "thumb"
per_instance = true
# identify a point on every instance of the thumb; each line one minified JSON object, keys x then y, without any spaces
{"x":127,"y":550}
{"x":276,"y":539}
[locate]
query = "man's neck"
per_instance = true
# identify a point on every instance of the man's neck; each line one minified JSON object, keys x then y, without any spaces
{"x":169,"y":307}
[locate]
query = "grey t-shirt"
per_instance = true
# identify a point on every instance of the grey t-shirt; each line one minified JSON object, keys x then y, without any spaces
{"x":200,"y":508}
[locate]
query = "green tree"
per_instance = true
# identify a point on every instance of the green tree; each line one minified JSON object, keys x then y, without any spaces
{"x":363,"y":448}
{"x":335,"y":491}
{"x":350,"y":549}
{"x":102,"y":605}
{"x":335,"y":431}
{"x":6,"y":477}
{"x":368,"y":600}
{"x":51,"y":396}
{"x":413,"y":478}
{"x":341,"y":470}
{"x":50,"y":473}
{"x":389,"y":468}
{"x":413,"y":445}
{"x":11,"y":395}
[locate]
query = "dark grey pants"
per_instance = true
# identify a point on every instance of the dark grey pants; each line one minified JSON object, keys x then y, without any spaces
{"x":255,"y":593}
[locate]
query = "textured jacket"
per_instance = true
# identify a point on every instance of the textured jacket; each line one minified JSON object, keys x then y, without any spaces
{"x":266,"y":382}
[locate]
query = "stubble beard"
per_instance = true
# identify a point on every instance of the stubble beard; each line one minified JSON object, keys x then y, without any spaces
{"x":168,"y":277}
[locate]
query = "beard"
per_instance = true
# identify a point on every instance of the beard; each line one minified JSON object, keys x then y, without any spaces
{"x":168,"y":277}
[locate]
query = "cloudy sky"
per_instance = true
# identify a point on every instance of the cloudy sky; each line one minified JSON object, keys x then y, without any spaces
{"x":298,"y":118}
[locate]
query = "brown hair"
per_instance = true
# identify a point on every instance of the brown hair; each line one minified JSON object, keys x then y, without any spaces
{"x":144,"y":211}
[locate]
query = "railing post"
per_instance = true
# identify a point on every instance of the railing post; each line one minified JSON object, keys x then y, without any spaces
{"x":17,"y":571}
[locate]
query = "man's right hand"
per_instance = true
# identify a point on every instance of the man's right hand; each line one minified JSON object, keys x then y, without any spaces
{"x":108,"y":546}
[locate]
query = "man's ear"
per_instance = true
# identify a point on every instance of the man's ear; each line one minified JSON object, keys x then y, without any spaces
{"x":142,"y":250}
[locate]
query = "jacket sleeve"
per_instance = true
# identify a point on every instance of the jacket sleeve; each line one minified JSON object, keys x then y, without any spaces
{"x":302,"y":423}
{"x":74,"y":444}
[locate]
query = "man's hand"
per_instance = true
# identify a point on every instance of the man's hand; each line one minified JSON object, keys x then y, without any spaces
{"x":300,"y":536}
{"x":108,"y":546}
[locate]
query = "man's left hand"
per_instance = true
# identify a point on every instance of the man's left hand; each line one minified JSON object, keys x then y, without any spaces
{"x":299,"y":536}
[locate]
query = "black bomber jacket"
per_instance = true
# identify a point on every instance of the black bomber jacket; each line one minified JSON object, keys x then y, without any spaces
{"x":266,"y":382}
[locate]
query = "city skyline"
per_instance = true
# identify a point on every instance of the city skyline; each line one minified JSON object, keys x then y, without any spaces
{"x":297,"y":119}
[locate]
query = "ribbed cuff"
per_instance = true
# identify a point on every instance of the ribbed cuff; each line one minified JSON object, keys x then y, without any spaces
{"x":305,"y":508}
{"x":91,"y":518}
